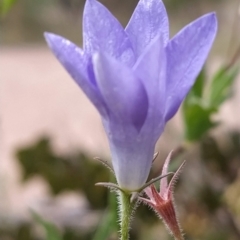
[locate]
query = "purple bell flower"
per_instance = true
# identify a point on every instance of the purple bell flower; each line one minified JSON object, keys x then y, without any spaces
{"x":136,"y":77}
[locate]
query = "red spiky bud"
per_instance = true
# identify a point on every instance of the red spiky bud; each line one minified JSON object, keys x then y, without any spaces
{"x":162,"y":202}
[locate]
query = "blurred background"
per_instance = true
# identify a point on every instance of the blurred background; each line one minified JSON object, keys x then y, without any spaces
{"x":50,"y":132}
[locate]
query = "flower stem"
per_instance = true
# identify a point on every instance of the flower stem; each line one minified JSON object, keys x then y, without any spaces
{"x":126,"y":209}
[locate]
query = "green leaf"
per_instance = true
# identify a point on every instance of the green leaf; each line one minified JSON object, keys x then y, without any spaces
{"x":221,"y":85}
{"x":198,"y":87}
{"x":197,"y":120}
{"x":52,"y":233}
{"x":198,"y":107}
{"x":196,"y":116}
{"x":5,"y":6}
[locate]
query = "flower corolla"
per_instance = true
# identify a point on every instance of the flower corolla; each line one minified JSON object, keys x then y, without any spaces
{"x":136,"y":77}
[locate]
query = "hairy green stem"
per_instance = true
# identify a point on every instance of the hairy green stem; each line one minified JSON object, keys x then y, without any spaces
{"x":126,"y":210}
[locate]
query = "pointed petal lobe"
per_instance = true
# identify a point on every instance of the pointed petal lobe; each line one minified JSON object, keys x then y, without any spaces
{"x":103,"y":32}
{"x":186,"y":54}
{"x":75,"y":62}
{"x":148,"y":21}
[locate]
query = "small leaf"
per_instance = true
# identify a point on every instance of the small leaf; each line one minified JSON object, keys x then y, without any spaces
{"x":198,"y":87}
{"x":197,"y":120}
{"x":52,"y":233}
{"x":196,"y":116}
{"x":221,"y":85}
{"x":198,"y":107}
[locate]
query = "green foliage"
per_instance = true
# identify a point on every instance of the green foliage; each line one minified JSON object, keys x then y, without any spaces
{"x":201,"y":103}
{"x":197,"y":119}
{"x":52,"y":233}
{"x":76,"y":172}
{"x":221,"y":85}
{"x":198,"y":88}
{"x":5,"y":6}
{"x":197,"y":114}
